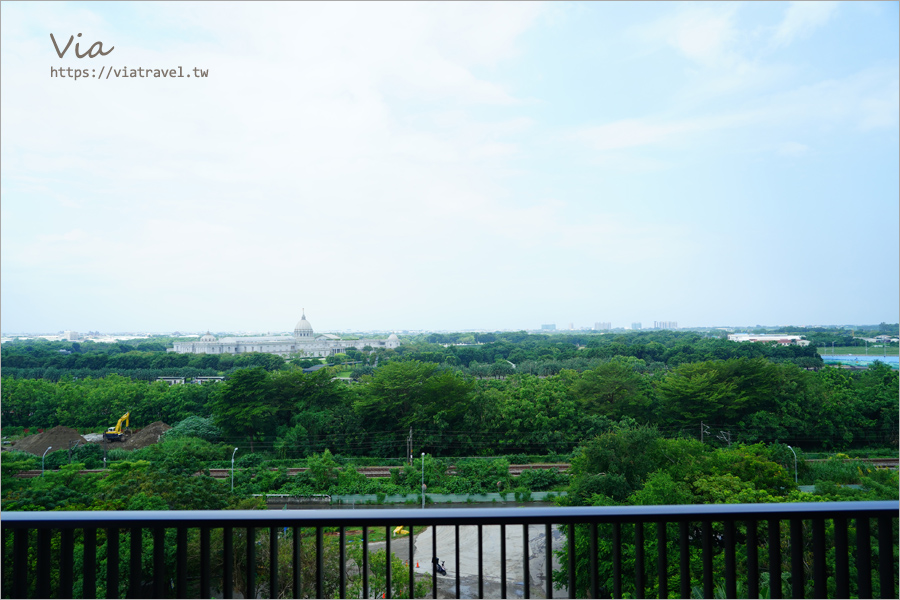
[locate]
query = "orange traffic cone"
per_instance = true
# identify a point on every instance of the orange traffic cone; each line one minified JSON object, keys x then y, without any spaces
{"x":417,"y":564}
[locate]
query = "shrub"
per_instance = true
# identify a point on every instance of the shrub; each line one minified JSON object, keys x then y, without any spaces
{"x":198,"y":427}
{"x":542,"y":479}
{"x":252,"y":459}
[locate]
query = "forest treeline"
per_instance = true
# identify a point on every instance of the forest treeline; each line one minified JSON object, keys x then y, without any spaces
{"x":450,"y":413}
{"x":481,"y":355}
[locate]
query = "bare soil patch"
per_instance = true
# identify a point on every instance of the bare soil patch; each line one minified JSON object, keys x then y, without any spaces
{"x":147,"y":436}
{"x":59,"y":438}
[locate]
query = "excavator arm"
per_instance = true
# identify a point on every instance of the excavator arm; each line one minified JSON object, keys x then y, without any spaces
{"x":119,"y":424}
{"x":115,"y":434}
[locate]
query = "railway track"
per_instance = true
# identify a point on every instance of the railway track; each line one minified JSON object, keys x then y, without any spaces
{"x":515,"y":470}
{"x":382,"y":472}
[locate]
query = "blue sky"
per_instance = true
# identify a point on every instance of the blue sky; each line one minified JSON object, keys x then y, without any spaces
{"x":450,"y":166}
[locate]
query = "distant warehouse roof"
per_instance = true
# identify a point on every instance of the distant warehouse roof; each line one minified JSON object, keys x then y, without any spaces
{"x":784,"y":340}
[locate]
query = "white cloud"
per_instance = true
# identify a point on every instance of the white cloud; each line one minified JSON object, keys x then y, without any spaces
{"x":793,"y":149}
{"x":76,"y":235}
{"x":704,"y":34}
{"x":633,"y":133}
{"x":801,"y":19}
{"x":864,"y":101}
{"x":881,"y":107}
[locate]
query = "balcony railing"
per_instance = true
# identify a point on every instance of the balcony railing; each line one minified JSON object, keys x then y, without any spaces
{"x":826,"y":549}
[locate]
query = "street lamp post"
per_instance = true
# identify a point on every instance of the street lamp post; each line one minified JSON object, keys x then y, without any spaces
{"x":423,"y":480}
{"x":795,"y":463}
{"x":232,"y":469}
{"x":42,"y":459}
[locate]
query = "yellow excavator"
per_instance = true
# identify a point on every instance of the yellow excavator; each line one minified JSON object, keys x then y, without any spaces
{"x":117,"y":433}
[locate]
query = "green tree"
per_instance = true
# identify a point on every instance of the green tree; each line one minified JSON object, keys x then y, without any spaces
{"x":242,"y":407}
{"x":614,"y":389}
{"x":414,"y":393}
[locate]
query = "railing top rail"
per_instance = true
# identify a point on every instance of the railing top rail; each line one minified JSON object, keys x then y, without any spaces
{"x":446,"y":516}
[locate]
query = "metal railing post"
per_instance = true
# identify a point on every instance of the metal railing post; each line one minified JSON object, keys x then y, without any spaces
{"x":864,"y":556}
{"x":320,"y":563}
{"x":775,"y":590}
{"x":228,"y":568}
{"x":752,"y":560}
{"x":273,"y":563}
{"x":662,"y":560}
{"x":134,"y":558}
{"x":798,"y":581}
{"x":181,"y":574}
{"x":502,"y":560}
{"x":250,"y":592}
{"x":730,"y":566}
{"x":66,"y":563}
{"x":204,"y":563}
{"x":886,"y":562}
{"x":526,"y":565}
{"x":159,"y":562}
{"x":89,"y":581}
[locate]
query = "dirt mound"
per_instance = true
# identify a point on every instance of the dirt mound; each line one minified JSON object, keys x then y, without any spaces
{"x":147,"y":436}
{"x":59,"y":438}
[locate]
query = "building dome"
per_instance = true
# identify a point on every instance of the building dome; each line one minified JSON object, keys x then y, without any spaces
{"x":393,"y":336}
{"x":303,"y":328}
{"x":208,"y":337}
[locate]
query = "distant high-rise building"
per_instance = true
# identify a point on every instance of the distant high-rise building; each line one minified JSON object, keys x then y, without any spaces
{"x":602,"y":326}
{"x":549,"y":327}
{"x":571,"y":326}
{"x":635,"y":325}
{"x":665,"y":325}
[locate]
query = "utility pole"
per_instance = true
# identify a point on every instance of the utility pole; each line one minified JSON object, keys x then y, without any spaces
{"x":72,"y":445}
{"x":409,"y":447}
{"x":795,"y":464}
{"x":49,"y":447}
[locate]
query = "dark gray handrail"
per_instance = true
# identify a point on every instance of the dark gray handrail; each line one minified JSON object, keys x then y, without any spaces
{"x":447,"y":516}
{"x":46,"y":525}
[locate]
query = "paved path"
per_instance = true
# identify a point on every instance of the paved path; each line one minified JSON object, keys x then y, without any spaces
{"x":491,"y":564}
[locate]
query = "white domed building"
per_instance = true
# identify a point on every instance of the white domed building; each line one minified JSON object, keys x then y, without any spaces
{"x":304,"y":342}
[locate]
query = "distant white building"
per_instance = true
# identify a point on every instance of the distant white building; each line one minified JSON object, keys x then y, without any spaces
{"x":304,"y":343}
{"x":784,"y":340}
